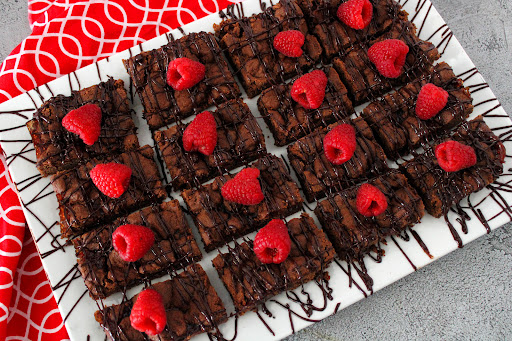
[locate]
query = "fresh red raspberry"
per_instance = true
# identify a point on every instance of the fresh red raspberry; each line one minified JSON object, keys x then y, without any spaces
{"x":389,"y":57}
{"x":132,"y":241}
{"x":85,"y":122}
{"x":289,"y":43}
{"x":184,"y":73}
{"x":356,"y":13}
{"x":201,"y":134}
{"x":309,"y":90}
{"x":453,"y":156}
{"x":431,"y":100}
{"x":244,"y":188}
{"x":272,"y":243}
{"x":112,"y":179}
{"x":370,"y":201}
{"x":340,"y":144}
{"x":148,"y":313}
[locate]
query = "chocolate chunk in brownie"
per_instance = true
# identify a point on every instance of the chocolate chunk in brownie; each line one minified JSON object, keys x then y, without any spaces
{"x":248,"y":43}
{"x":220,"y":221}
{"x":289,"y":121}
{"x":318,"y":176}
{"x":191,"y":304}
{"x":395,"y":123}
{"x":162,"y":104}
{"x":82,"y":205}
{"x":336,"y":37}
{"x":441,"y":190}
{"x":105,"y":272}
{"x":239,"y":141}
{"x":57,"y":149}
{"x":250,"y":282}
{"x":362,"y":78}
{"x":353,"y":234}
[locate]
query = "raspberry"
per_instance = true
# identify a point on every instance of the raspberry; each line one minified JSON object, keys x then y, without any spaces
{"x":132,"y":241}
{"x":244,"y":188}
{"x":289,"y":43}
{"x":85,"y":122}
{"x":370,"y":201}
{"x":184,"y":73}
{"x":309,"y":90}
{"x":272,"y":243}
{"x":453,"y":156}
{"x":340,"y":144}
{"x":201,"y":134}
{"x":356,"y":13}
{"x":431,"y":100}
{"x":148,"y":313}
{"x":112,"y":179}
{"x":389,"y":57}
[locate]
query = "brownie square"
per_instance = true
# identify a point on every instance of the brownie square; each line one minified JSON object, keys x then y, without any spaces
{"x":220,"y":221}
{"x":239,"y":141}
{"x":336,"y":37}
{"x":248,"y":43}
{"x":319,"y":11}
{"x":191,"y":304}
{"x":82,"y":205}
{"x":250,"y":282}
{"x":289,"y":121}
{"x":105,"y":272}
{"x":353,"y":234}
{"x":393,"y":117}
{"x":162,"y":104}
{"x":58,"y":149}
{"x":319,"y":177}
{"x":362,"y":78}
{"x":441,"y":190}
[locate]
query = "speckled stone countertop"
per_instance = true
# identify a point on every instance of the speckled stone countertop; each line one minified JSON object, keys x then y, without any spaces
{"x":466,"y":295}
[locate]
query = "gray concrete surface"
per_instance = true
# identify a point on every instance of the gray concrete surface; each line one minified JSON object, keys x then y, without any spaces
{"x":467,"y":294}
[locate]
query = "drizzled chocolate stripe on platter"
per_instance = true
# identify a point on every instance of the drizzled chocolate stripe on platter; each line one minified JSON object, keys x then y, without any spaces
{"x":487,"y":208}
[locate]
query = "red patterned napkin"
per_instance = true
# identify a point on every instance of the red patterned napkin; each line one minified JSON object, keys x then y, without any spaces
{"x":66,"y":35}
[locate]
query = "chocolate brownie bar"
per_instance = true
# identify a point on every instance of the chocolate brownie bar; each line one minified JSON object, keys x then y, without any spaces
{"x":220,"y":221}
{"x":353,"y":234}
{"x":336,"y":37}
{"x":441,"y":190}
{"x":191,"y":303}
{"x":239,"y":141}
{"x":362,"y":78}
{"x":250,"y":282}
{"x":162,"y":104}
{"x":105,"y":272}
{"x":318,"y":176}
{"x":395,"y":123}
{"x":248,"y":43}
{"x":319,"y":11}
{"x":82,"y":205}
{"x":289,"y":121}
{"x":58,"y":149}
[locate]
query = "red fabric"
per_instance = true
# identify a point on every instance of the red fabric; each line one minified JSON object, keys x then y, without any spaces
{"x":66,"y":35}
